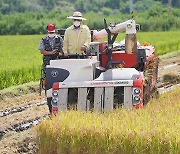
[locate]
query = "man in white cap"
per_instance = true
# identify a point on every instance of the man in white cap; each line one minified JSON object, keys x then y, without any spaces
{"x":77,"y":37}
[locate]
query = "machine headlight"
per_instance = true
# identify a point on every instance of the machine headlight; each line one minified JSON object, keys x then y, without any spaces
{"x":137,"y":91}
{"x":55,"y":100}
{"x":55,"y":93}
{"x":136,"y":98}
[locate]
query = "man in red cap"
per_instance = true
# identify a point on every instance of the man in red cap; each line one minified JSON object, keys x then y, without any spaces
{"x":51,"y":48}
{"x":51,"y":44}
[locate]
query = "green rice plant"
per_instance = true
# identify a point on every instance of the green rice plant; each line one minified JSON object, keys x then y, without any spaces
{"x":19,"y":51}
{"x":153,"y":129}
{"x":20,"y":59}
{"x":18,"y":76}
{"x":164,"y":42}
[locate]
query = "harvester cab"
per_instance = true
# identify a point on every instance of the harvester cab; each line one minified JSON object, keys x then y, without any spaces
{"x":110,"y":75}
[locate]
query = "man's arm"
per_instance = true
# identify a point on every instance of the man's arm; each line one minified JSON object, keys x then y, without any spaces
{"x":46,"y":53}
{"x":88,"y":38}
{"x":61,"y":43}
{"x":60,"y":46}
{"x":65,"y":43}
{"x":43,"y":51}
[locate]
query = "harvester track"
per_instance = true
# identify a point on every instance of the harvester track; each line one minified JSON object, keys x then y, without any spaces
{"x":19,"y":127}
{"x":18,"y":118}
{"x":20,"y":109}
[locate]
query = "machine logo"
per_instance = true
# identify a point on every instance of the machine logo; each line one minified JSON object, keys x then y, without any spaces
{"x":54,"y":73}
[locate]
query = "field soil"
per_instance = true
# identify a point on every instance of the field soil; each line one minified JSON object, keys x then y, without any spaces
{"x":19,"y":115}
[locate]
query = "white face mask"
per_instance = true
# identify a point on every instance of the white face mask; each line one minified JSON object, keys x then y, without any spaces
{"x":52,"y":35}
{"x":76,"y":23}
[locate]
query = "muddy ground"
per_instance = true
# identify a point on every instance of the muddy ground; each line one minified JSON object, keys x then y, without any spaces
{"x":19,"y":115}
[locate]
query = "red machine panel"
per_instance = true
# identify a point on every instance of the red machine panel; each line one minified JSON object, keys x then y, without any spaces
{"x":128,"y":59}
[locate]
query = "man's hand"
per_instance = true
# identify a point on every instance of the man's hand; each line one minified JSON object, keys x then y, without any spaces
{"x":83,"y":48}
{"x":53,"y":52}
{"x":60,"y":54}
{"x":65,"y":54}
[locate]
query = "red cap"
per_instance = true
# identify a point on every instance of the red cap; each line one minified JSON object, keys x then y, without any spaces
{"x":51,"y":28}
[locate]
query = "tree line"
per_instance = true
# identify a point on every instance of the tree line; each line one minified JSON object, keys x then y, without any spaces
{"x":32,"y":16}
{"x":12,"y":6}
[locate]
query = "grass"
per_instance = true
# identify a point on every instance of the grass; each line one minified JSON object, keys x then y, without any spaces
{"x":153,"y":129}
{"x":19,"y":90}
{"x":171,"y":78}
{"x":170,"y":55}
{"x":21,"y":61}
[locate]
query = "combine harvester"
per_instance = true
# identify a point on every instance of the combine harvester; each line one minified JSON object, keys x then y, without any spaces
{"x":108,"y":76}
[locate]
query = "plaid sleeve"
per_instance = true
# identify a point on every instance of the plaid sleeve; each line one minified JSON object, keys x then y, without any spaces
{"x":41,"y":45}
{"x":61,"y":40}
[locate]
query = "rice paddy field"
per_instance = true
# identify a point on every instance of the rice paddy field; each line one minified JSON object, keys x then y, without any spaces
{"x":20,"y":60}
{"x":155,"y":129}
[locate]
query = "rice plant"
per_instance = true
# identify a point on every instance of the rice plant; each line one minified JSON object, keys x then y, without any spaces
{"x":20,"y":60}
{"x":163,"y":42}
{"x":153,"y":129}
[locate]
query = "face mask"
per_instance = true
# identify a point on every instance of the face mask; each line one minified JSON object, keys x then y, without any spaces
{"x":76,"y":23}
{"x":51,"y":35}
